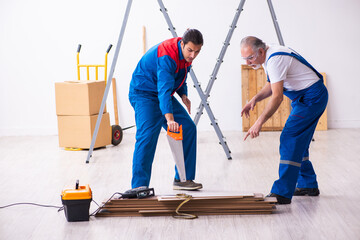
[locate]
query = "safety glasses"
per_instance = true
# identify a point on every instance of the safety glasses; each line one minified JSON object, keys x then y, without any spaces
{"x":251,"y":57}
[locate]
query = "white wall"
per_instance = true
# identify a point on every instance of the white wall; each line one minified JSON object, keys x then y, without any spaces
{"x":39,"y":40}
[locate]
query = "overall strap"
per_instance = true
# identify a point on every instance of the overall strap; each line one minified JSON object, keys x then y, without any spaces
{"x":298,"y":57}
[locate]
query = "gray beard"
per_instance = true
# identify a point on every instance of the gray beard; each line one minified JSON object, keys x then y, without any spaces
{"x":256,"y":66}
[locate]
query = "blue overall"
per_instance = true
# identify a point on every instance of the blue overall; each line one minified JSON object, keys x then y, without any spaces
{"x":159,"y":74}
{"x":308,"y":105}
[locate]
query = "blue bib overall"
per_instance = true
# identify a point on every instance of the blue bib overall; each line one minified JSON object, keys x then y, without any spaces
{"x":308,"y":105}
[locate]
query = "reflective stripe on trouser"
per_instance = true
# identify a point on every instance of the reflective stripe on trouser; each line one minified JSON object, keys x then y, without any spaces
{"x":149,"y":121}
{"x":307,"y":108}
{"x":307,"y":176}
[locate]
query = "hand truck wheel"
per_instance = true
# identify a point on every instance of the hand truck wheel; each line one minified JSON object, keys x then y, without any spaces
{"x":116,"y":135}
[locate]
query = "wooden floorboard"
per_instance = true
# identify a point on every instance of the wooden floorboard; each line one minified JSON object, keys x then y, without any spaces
{"x":35,"y":169}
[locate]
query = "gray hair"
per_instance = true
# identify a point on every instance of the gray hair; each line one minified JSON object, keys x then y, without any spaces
{"x":253,"y":42}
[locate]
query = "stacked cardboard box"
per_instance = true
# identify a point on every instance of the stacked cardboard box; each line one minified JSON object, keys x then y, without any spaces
{"x":77,"y":109}
{"x":198,"y":205}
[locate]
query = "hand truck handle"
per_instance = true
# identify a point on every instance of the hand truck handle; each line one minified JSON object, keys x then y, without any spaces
{"x":79,"y":47}
{"x":108,"y":50}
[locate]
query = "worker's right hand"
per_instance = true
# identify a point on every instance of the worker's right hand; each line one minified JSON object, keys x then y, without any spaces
{"x":246,"y":109}
{"x":254,"y":131}
{"x":173,"y":126}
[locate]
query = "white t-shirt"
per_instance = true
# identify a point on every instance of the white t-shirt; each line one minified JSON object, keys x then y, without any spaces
{"x":295,"y":74}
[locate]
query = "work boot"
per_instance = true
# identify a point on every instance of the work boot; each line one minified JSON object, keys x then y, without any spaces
{"x":306,"y":191}
{"x":280,"y":199}
{"x":188,"y":185}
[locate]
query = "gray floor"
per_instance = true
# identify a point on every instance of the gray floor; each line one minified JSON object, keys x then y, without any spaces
{"x":35,"y":169}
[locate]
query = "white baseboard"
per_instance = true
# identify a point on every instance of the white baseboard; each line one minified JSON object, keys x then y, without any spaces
{"x":53,"y":131}
{"x":28,"y":132}
{"x":344,"y":123}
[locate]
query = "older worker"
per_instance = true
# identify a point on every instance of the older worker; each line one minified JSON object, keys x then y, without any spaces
{"x":288,"y":74}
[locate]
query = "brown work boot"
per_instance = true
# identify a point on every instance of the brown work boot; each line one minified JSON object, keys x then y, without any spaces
{"x":188,"y":185}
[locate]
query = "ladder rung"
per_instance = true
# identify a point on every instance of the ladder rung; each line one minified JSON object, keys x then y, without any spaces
{"x":226,"y":145}
{"x":216,"y":122}
{"x":198,"y":111}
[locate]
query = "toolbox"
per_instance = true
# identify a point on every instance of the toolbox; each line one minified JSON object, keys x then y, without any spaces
{"x":76,"y":202}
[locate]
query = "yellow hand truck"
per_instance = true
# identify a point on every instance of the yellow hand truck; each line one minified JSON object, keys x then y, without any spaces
{"x":116,"y":130}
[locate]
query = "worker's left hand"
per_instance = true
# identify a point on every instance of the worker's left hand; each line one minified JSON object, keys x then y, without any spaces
{"x":254,"y":131}
{"x":187,"y":102}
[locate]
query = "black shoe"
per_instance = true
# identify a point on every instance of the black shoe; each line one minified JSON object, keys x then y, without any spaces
{"x":280,"y":199}
{"x":306,"y":191}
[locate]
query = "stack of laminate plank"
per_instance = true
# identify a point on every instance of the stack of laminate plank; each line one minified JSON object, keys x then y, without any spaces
{"x":198,"y":205}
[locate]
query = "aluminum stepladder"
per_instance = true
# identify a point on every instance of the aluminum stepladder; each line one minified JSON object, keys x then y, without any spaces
{"x":205,"y":95}
{"x":108,"y":84}
{"x":213,"y":120}
{"x":199,"y":90}
{"x":219,"y":60}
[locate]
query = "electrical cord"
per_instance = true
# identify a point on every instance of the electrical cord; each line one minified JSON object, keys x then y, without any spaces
{"x":128,"y":127}
{"x":52,"y":206}
{"x":27,"y":203}
{"x":97,"y":210}
{"x":140,"y":193}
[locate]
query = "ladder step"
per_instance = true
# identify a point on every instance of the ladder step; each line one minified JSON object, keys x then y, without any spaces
{"x":216,"y":122}
{"x":198,"y":84}
{"x":212,"y":77}
{"x":224,"y":140}
{"x":198,"y":110}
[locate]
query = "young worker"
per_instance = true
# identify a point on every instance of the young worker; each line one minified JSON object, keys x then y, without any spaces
{"x":161,"y":73}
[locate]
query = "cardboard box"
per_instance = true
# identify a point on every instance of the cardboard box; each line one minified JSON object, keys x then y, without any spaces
{"x":77,"y":131}
{"x":79,"y":97}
